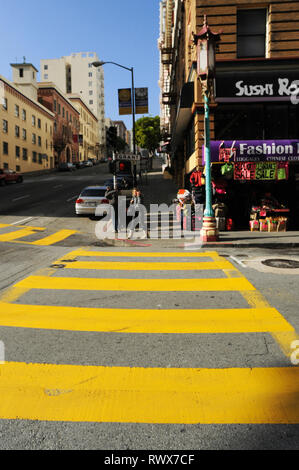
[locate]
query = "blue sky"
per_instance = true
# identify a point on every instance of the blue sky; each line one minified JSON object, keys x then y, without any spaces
{"x":122,"y":31}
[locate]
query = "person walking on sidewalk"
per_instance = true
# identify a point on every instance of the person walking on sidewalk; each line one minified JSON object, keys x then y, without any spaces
{"x":136,"y":202}
{"x":136,"y":197}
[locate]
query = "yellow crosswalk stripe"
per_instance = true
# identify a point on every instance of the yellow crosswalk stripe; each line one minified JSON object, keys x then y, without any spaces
{"x":24,"y":231}
{"x":54,"y":238}
{"x":149,"y":395}
{"x":175,"y":321}
{"x":21,"y":226}
{"x":134,"y":254}
{"x":12,"y":236}
{"x":140,"y":285}
{"x":147,"y":266}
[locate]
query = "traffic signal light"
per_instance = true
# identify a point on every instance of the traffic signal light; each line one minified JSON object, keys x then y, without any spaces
{"x":111,"y":136}
{"x":125,"y":166}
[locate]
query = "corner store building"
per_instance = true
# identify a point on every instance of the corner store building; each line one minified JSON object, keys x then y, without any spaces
{"x":257,"y":64}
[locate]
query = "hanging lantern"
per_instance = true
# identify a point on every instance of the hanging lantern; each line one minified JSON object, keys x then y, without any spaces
{"x":205,"y":42}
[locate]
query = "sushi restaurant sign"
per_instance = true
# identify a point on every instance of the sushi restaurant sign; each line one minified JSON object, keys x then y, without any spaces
{"x":257,"y":85}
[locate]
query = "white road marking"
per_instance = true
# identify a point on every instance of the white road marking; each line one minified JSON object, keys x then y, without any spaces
{"x":238,"y":261}
{"x":19,"y":198}
{"x":23,"y":220}
{"x":58,"y":186}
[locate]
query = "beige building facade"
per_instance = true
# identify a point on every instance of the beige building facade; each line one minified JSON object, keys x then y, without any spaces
{"x":88,"y":135}
{"x":26,"y":132}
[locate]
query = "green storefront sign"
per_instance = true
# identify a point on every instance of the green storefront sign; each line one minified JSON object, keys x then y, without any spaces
{"x":265,"y":171}
{"x":261,"y":171}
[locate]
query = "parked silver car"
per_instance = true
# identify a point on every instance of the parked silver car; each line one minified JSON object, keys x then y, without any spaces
{"x":66,"y":166}
{"x":89,"y":198}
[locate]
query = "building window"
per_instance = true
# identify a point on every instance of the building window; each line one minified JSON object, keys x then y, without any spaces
{"x":17,"y":151}
{"x":251,"y":33}
{"x":33,"y":120}
{"x":34,"y":138}
{"x":63,"y":112}
{"x":46,"y":76}
{"x":24,"y":114}
{"x":17,"y":110}
{"x":4,"y":104}
{"x":17,"y":131}
{"x":5,"y":126}
{"x":5,"y":148}
{"x":24,"y":134}
{"x":40,"y":158}
{"x":39,"y":124}
{"x":39,"y":141}
{"x":90,"y":74}
{"x":59,"y":108}
{"x":34,"y":157}
{"x":21,"y":73}
{"x":18,"y":168}
{"x":55,"y":105}
{"x":25,"y":154}
{"x":90,"y":101}
{"x":45,"y":67}
{"x":5,"y":166}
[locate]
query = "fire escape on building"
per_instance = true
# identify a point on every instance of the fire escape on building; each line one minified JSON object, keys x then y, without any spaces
{"x":168,"y":97}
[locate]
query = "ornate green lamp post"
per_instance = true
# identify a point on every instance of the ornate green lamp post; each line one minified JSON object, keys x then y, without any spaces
{"x":205,"y":42}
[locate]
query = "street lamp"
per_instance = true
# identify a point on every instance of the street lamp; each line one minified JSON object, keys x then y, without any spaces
{"x":99,"y":64}
{"x":205,"y":42}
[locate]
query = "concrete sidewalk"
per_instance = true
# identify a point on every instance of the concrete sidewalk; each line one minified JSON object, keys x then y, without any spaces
{"x":247,"y":239}
{"x":158,"y":190}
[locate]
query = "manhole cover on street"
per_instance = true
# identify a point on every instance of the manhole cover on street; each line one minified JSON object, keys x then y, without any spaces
{"x":281,"y":263}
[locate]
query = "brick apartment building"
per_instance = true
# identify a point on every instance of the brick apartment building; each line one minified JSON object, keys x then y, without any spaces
{"x":257,"y":66}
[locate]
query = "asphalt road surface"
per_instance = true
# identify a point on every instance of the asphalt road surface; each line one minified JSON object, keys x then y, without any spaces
{"x":139,"y":346}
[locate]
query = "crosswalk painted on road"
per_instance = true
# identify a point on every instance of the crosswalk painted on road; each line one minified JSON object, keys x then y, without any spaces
{"x":19,"y":234}
{"x":67,"y":392}
{"x":149,"y":395}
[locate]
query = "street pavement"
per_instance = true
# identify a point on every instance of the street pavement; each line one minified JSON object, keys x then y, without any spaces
{"x":144,"y":344}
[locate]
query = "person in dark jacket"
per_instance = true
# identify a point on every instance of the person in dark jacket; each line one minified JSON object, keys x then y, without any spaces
{"x":112,"y":196}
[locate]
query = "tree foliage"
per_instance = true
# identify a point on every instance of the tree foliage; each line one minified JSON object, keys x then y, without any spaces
{"x":147,"y":131}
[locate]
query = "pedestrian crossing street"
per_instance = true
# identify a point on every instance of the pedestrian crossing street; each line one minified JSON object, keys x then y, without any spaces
{"x":130,"y":394}
{"x":21,"y":234}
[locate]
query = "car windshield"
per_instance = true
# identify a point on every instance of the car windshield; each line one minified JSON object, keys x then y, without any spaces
{"x":93,"y":192}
